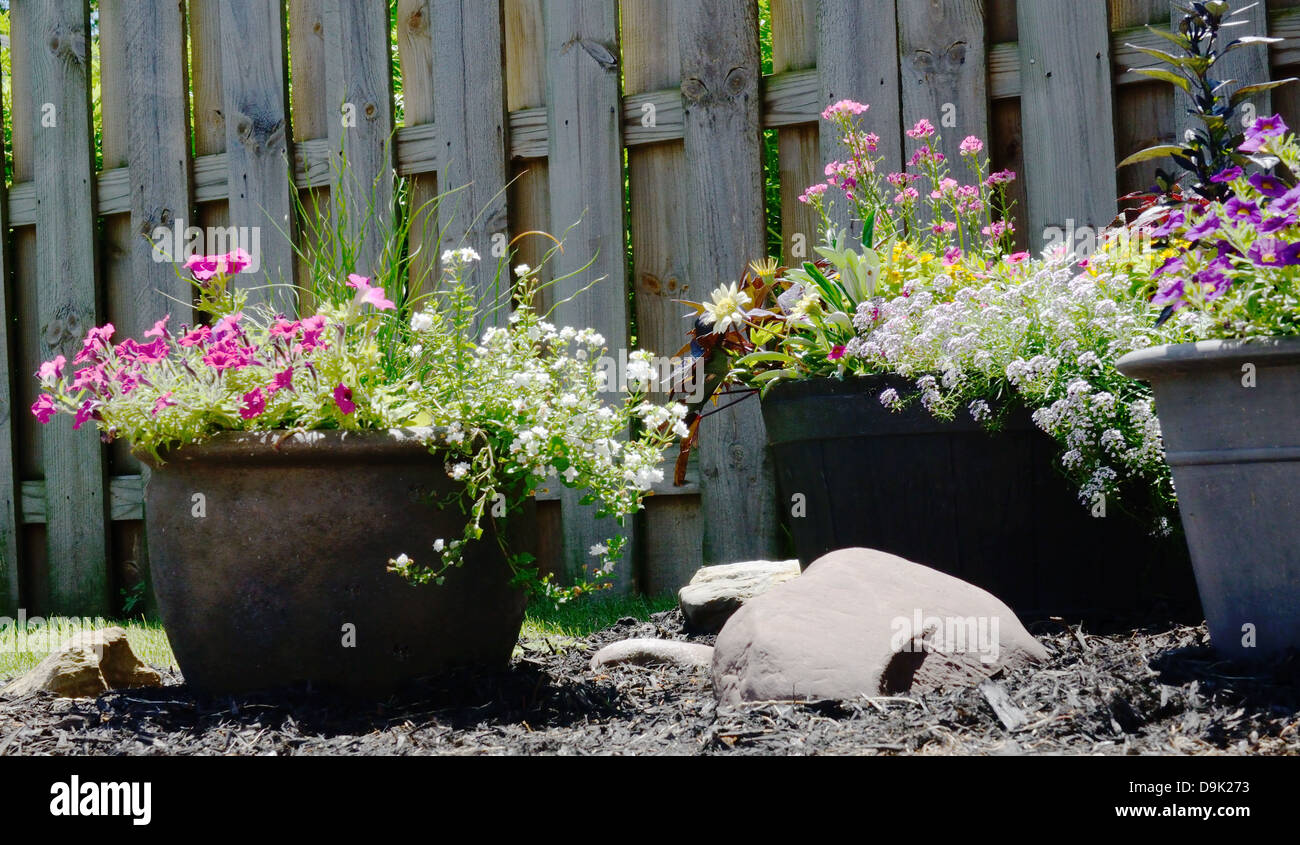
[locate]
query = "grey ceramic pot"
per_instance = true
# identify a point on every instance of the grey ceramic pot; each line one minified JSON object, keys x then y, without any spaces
{"x":268,"y":556}
{"x":1230,"y":413}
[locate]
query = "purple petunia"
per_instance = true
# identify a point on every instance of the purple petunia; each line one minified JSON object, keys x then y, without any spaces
{"x":1242,"y":211}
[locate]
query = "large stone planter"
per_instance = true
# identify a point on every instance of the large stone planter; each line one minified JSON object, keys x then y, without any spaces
{"x":989,"y":508}
{"x":269,"y":556}
{"x":1230,"y":413}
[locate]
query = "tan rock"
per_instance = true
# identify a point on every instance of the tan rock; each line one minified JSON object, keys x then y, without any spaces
{"x":86,"y":665}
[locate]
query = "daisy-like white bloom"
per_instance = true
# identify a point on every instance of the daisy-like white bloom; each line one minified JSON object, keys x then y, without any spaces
{"x":727,"y":310}
{"x":421,"y":321}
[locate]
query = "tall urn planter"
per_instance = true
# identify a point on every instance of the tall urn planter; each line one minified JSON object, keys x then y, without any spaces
{"x":268,"y":556}
{"x":990,"y":508}
{"x":1230,"y":414}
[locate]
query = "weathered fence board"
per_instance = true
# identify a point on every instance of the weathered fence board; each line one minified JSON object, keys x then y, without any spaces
{"x":258,"y":142}
{"x":415,"y":52}
{"x":942,"y":71}
{"x":585,"y":164}
{"x":76,"y":516}
{"x":9,"y":594}
{"x":359,"y":80}
{"x":671,"y":550}
{"x":863,"y":36}
{"x":468,"y":64}
{"x":1066,"y":110}
{"x":1244,"y":63}
{"x":724,"y":214}
{"x":794,"y":47}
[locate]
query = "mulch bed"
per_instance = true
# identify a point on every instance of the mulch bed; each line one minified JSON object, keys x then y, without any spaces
{"x":1138,"y":691}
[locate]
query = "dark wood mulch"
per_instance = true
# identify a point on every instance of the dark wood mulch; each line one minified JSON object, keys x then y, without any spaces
{"x":1150,"y":690}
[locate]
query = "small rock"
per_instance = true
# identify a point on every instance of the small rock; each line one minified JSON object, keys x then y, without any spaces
{"x":86,"y":665}
{"x":716,"y":592}
{"x":863,"y":622}
{"x":648,"y":652}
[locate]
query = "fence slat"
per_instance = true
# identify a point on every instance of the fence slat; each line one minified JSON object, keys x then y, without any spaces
{"x":1067,"y":117}
{"x":359,"y":108}
{"x":661,"y":243}
{"x":258,"y":142}
{"x":585,"y":164}
{"x":9,"y":495}
{"x":468,"y":57}
{"x":529,"y":192}
{"x":857,"y":59}
{"x":943,"y":73}
{"x":724,"y":213}
{"x":415,"y":52}
{"x":76,"y":514}
{"x":794,"y":47}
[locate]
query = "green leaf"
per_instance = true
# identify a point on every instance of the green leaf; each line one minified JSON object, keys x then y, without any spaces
{"x":1246,"y":91}
{"x":1167,"y":76}
{"x":1178,"y":61}
{"x":869,"y":230}
{"x":834,"y":295}
{"x":1160,"y":151}
{"x":766,"y":357}
{"x":1176,"y":37}
{"x":1247,"y":40}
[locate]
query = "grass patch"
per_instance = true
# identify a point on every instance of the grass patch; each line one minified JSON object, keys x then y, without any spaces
{"x":18,"y":653}
{"x":559,"y":626}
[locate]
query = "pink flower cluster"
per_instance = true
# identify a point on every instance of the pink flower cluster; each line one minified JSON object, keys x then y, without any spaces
{"x":106,"y":372}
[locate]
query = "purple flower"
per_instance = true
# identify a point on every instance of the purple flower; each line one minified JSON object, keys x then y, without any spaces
{"x":1268,"y":127}
{"x":1171,"y":293}
{"x":1206,"y":225}
{"x":1273,"y":225}
{"x":1268,"y":252}
{"x":254,"y":404}
{"x":1228,"y":175}
{"x":1285,"y":203}
{"x":43,"y":408}
{"x":1174,"y":264}
{"x":1269,"y":186}
{"x":1214,"y":281}
{"x":1241,"y":211}
{"x":1174,"y":221}
{"x":343,"y":398}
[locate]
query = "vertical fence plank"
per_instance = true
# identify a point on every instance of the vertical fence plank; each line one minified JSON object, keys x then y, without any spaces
{"x":359,"y":108}
{"x":724,"y":213}
{"x":258,"y":152}
{"x":468,"y":58}
{"x":942,"y":71}
{"x":75,"y":500}
{"x":794,"y":47}
{"x":307,"y":113}
{"x":661,"y":243}
{"x":1066,"y":110}
{"x":857,"y":59}
{"x":29,"y":461}
{"x":1147,"y":109}
{"x":585,"y":161}
{"x":529,"y":192}
{"x":9,"y":587}
{"x":1246,"y":65}
{"x":415,"y":52}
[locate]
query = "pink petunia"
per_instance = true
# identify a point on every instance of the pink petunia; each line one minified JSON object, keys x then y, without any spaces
{"x":254,"y":404}
{"x":836,"y":353}
{"x":84,"y":414}
{"x":197,"y":337}
{"x":159,"y":328}
{"x":343,"y":398}
{"x":43,"y":408}
{"x":282,"y":381}
{"x":163,"y":402}
{"x":52,"y":369}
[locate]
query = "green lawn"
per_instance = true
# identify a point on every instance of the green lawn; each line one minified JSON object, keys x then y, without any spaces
{"x":543,"y":629}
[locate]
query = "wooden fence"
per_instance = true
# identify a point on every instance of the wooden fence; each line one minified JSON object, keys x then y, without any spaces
{"x":213,"y":113}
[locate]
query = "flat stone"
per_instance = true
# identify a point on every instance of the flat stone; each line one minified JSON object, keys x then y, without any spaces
{"x":862,"y":622}
{"x":651,"y":652}
{"x":716,"y":592}
{"x":86,"y":665}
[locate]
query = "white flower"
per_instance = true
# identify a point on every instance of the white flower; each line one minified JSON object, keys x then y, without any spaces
{"x":599,"y":550}
{"x":727,"y":308}
{"x":455,"y":258}
{"x":570,"y":475}
{"x":523,"y":270}
{"x":421,"y":321}
{"x":439,"y":545}
{"x":459,"y":471}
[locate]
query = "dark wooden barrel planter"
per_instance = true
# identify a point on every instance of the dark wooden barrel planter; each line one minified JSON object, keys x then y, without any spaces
{"x":268,"y":554}
{"x":990,"y":508}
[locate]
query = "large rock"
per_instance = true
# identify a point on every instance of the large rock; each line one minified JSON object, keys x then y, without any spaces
{"x":862,"y":622}
{"x":651,"y":652}
{"x":716,"y":592}
{"x":86,"y":665}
